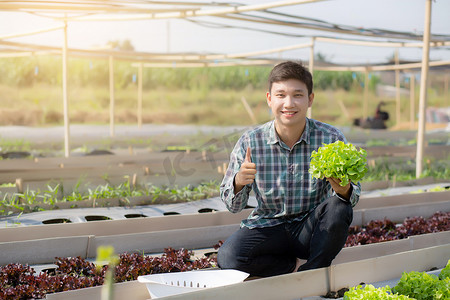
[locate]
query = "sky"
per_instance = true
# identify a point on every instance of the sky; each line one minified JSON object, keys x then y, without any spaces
{"x":178,"y":35}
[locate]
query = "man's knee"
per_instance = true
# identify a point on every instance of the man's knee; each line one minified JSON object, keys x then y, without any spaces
{"x":223,"y":257}
{"x":227,"y":258}
{"x":336,"y":215}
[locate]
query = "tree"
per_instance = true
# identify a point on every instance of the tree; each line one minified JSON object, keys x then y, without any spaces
{"x":321,"y":57}
{"x":125,"y":45}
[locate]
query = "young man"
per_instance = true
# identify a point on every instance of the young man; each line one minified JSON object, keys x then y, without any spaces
{"x":297,"y":216}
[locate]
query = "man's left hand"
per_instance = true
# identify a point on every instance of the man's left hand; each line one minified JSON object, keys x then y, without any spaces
{"x":343,"y":191}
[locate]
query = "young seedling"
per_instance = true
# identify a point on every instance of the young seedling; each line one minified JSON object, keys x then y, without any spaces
{"x":105,"y":254}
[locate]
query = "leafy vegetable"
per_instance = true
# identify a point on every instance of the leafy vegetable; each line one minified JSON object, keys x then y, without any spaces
{"x":19,"y":281}
{"x":369,"y":292}
{"x":422,"y":286}
{"x":445,"y":273}
{"x":412,"y":285}
{"x":339,"y":160}
{"x":377,"y":231}
{"x":443,"y":289}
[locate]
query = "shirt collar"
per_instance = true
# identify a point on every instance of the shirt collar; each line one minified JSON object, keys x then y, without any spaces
{"x":306,"y":133}
{"x":273,"y":138}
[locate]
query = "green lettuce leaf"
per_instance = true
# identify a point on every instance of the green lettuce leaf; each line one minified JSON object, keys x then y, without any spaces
{"x":445,"y":273}
{"x":339,"y":160}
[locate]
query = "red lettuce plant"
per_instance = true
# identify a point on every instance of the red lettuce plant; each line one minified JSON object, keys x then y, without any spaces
{"x":385,"y":230}
{"x":19,"y":281}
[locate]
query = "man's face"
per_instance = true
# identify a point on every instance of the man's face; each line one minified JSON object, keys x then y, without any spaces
{"x":289,"y":102}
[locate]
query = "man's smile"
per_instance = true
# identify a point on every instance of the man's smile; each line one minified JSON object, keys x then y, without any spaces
{"x":288,"y":113}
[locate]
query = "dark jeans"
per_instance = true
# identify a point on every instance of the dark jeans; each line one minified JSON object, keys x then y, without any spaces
{"x":270,"y":251}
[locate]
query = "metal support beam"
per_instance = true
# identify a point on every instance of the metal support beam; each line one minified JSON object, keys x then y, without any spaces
{"x":397,"y":91}
{"x":423,"y":89}
{"x":139,"y":108}
{"x":111,"y":96}
{"x":412,"y":101}
{"x":65,"y":100}
{"x":311,"y":69}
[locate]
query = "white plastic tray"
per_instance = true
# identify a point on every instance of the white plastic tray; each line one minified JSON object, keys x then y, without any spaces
{"x":166,"y":284}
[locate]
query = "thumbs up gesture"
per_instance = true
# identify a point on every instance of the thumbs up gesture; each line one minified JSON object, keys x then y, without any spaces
{"x":246,"y":174}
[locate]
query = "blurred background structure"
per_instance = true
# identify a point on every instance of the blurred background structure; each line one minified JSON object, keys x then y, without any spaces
{"x":330,"y":36}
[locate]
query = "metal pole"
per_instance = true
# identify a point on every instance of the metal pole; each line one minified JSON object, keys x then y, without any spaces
{"x":168,"y":36}
{"x":412,"y":100}
{"x":311,"y":69}
{"x":139,"y":111}
{"x":423,"y":89}
{"x":65,"y":100}
{"x":397,"y":91}
{"x":111,"y":96}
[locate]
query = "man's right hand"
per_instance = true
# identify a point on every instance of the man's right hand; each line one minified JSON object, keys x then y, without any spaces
{"x":246,"y":174}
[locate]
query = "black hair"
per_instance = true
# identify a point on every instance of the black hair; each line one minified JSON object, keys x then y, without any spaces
{"x":291,"y":70}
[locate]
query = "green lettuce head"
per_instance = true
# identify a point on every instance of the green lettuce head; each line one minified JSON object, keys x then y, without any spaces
{"x":339,"y":160}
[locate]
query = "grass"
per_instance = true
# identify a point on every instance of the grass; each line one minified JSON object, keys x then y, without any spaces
{"x":404,"y":170}
{"x":41,"y":105}
{"x":15,"y":145}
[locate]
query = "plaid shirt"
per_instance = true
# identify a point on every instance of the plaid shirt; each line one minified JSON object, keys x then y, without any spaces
{"x":283,"y":187}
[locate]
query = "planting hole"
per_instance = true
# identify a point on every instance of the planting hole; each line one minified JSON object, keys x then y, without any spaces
{"x":170,"y":213}
{"x":97,"y":218}
{"x":206,"y":210}
{"x":49,"y":271}
{"x":211,"y":254}
{"x":56,"y":221}
{"x":100,"y":152}
{"x":131,"y":216}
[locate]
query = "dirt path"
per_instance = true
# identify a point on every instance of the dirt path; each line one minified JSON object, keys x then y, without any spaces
{"x":94,"y":132}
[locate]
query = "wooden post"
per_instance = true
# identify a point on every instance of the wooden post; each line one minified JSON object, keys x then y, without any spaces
{"x":111,"y":96}
{"x":65,"y":100}
{"x":423,"y":89}
{"x":397,"y":91}
{"x":134,"y":180}
{"x":343,"y":109}
{"x":249,"y":110}
{"x":203,"y":155}
{"x":19,"y":185}
{"x":139,"y":108}
{"x":366,"y":93}
{"x":311,"y":69}
{"x":412,"y":101}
